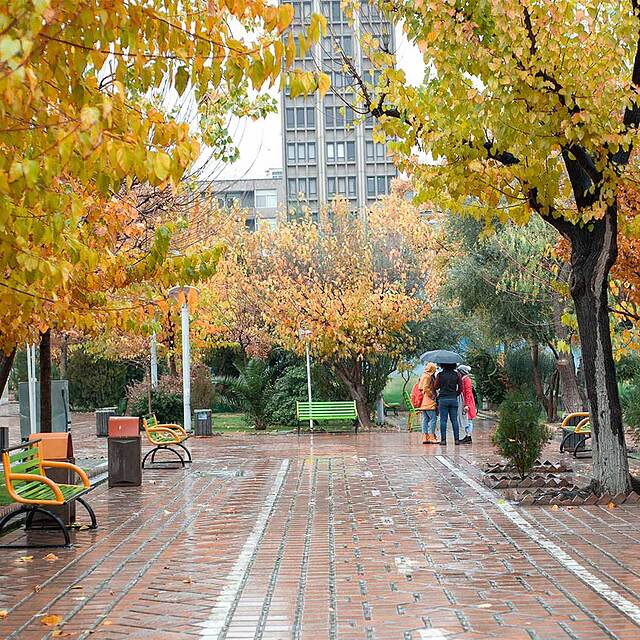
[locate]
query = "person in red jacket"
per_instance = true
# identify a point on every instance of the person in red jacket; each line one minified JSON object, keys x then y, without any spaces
{"x":467,"y":409}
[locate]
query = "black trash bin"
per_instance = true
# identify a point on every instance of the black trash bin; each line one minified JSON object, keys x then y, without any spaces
{"x":124,"y":452}
{"x":203,"y":422}
{"x":4,"y":438}
{"x":102,"y":420}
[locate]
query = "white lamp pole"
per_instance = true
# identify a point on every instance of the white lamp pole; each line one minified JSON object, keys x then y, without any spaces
{"x":154,"y":361}
{"x":31,"y":385}
{"x":305,"y":333}
{"x":186,"y":352}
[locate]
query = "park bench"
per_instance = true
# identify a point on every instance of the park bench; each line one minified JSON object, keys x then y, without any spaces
{"x":411,"y":409}
{"x":391,"y":406}
{"x":26,"y":484}
{"x":576,"y":429}
{"x":165,"y":437}
{"x":327,"y":412}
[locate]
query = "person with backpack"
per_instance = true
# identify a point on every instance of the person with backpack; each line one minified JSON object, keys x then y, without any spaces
{"x":428,"y":406}
{"x":449,"y":385}
{"x":467,"y":408}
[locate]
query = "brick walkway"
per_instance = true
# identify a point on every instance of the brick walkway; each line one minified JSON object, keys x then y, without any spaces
{"x":330,"y":537}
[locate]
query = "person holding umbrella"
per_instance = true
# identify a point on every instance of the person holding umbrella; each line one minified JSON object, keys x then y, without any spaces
{"x":449,"y":385}
{"x":428,"y":406}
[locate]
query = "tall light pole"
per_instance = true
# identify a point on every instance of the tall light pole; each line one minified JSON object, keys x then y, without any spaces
{"x":154,"y":361}
{"x":304,"y":334}
{"x":31,"y":386}
{"x":182,"y":293}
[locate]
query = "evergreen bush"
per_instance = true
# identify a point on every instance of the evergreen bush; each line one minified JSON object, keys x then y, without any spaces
{"x":520,"y":435}
{"x":630,"y":398}
{"x":166,"y":400}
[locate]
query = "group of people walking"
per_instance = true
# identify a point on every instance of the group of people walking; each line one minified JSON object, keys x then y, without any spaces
{"x":445,"y":391}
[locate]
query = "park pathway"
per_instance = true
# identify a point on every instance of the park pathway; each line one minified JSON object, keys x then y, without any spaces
{"x":329,"y":537}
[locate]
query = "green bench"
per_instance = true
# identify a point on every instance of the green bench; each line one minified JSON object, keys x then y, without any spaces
{"x":26,"y":484}
{"x":327,"y":412}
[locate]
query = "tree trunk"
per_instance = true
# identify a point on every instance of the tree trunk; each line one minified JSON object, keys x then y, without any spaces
{"x":350,"y":373}
{"x":45,"y":382}
{"x":571,"y":397}
{"x":593,"y":252}
{"x":6,"y":362}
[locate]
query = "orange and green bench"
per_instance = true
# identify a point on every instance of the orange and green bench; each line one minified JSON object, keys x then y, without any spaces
{"x":318,"y":411}
{"x":26,"y":484}
{"x":165,"y":437}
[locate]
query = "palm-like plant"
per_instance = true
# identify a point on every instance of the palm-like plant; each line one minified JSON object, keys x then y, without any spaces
{"x":250,"y":391}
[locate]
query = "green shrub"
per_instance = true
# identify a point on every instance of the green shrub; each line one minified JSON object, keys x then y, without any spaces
{"x":630,"y":398}
{"x":520,"y":435}
{"x":250,"y":392}
{"x":490,"y":377}
{"x":166,"y":400}
{"x":99,"y":382}
{"x":288,"y":389}
{"x":203,"y":392}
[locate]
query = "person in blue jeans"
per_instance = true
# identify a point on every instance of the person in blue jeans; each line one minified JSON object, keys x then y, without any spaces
{"x":448,"y":383}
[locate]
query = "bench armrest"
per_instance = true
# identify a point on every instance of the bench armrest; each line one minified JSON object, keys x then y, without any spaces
{"x":67,"y":465}
{"x":32,"y":477}
{"x":173,"y":427}
{"x":162,"y":429}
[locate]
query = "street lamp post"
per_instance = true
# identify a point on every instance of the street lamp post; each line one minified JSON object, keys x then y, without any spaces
{"x":154,"y":361}
{"x":303,"y":334}
{"x":176,"y":293}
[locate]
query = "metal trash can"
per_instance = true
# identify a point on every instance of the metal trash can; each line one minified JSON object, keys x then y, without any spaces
{"x":102,"y":420}
{"x":58,"y":447}
{"x":4,"y":437}
{"x":203,"y":422}
{"x":125,"y":461}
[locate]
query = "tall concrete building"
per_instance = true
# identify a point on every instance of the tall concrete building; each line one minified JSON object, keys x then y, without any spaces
{"x":327,"y":151}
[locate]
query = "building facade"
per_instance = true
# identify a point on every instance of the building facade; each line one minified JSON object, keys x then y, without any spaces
{"x":261,"y":198}
{"x":327,"y":150}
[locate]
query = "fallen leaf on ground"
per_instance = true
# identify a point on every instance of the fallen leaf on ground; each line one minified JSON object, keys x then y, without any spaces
{"x":57,"y":633}
{"x":167,"y":513}
{"x":187,"y":581}
{"x":107,"y":623}
{"x":51,"y":620}
{"x":611,"y":505}
{"x":484,"y":605}
{"x":25,"y":559}
{"x":554,"y":507}
{"x":51,"y":557}
{"x":77,"y":586}
{"x":3,"y":614}
{"x":37,"y":588}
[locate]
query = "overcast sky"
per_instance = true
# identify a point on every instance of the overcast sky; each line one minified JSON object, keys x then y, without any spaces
{"x":260,"y":142}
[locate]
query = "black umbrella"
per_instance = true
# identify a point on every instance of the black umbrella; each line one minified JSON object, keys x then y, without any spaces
{"x":441,"y":356}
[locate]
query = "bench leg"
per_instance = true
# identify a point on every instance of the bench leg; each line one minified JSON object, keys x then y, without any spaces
{"x":580,"y":446}
{"x":189,"y":458}
{"x":153,"y":452}
{"x":90,"y":511}
{"x":30,"y":511}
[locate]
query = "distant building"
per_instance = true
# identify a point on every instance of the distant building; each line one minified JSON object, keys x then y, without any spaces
{"x":325,"y":153}
{"x":261,"y":198}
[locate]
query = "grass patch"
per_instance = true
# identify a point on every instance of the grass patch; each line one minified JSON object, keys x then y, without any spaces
{"x":393,"y":390}
{"x":236,"y":423}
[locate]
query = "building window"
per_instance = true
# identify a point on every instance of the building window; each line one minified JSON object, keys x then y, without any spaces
{"x":351,"y":184}
{"x":331,"y":186}
{"x":313,"y":188}
{"x":291,"y":152}
{"x":311,"y":152}
{"x":251,"y":224}
{"x":371,"y":186}
{"x":340,"y":117}
{"x":300,"y":117}
{"x":349,"y":116}
{"x":328,"y":117}
{"x":335,"y":11}
{"x":289,"y":117}
{"x":330,"y":152}
{"x":311,"y":118}
{"x":369,"y":151}
{"x":266,"y":199}
{"x":340,"y":151}
{"x":351,"y":151}
{"x":302,"y":152}
{"x":379,"y":151}
{"x":382,"y":185}
{"x":291,"y":182}
{"x":306,"y":10}
{"x":302,"y":186}
{"x":342,"y":186}
{"x":346,"y":45}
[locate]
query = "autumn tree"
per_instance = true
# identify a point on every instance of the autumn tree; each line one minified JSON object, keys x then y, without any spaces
{"x":84,"y":118}
{"x":528,"y":107}
{"x":353,"y":282}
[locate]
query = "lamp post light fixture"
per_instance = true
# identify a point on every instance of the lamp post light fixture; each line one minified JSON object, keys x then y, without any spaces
{"x":182,"y":293}
{"x":304,"y":334}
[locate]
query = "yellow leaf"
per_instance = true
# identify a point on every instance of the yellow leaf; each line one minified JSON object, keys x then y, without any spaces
{"x":51,"y":557}
{"x":25,"y":559}
{"x":51,"y":620}
{"x":3,"y":614}
{"x":324,"y":82}
{"x":611,"y":505}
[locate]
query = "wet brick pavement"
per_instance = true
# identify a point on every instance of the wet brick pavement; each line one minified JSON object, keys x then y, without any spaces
{"x":343,"y":537}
